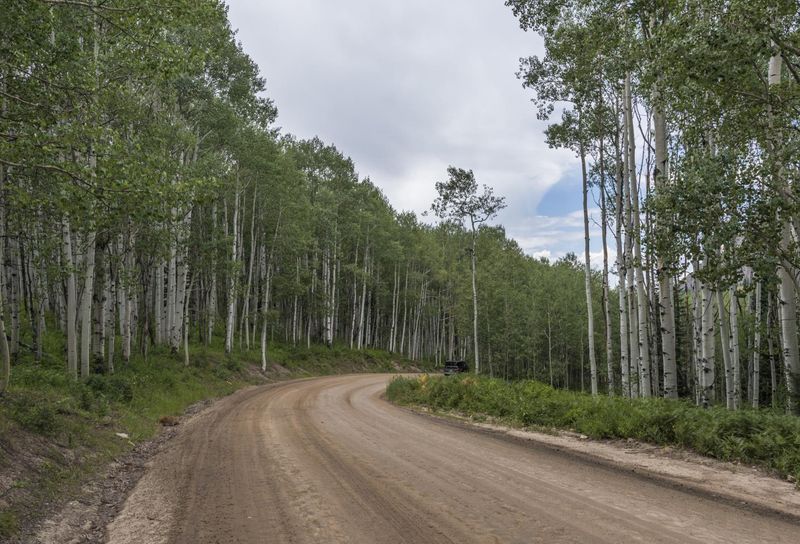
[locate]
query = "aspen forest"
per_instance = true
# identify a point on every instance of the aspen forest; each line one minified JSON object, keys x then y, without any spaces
{"x":684,"y":117}
{"x":210,"y":319}
{"x":150,"y":199}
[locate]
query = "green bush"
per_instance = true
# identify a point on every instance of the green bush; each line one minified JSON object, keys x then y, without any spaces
{"x":8,"y":524}
{"x":758,"y":437}
{"x":114,"y":387}
{"x":34,"y":413}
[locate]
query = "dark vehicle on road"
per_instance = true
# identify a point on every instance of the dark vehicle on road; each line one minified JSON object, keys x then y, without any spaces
{"x":455,"y":367}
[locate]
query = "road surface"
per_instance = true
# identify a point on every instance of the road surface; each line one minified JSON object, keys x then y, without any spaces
{"x":328,"y":460}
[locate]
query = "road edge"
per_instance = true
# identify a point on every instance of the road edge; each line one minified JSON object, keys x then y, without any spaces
{"x":565,"y":444}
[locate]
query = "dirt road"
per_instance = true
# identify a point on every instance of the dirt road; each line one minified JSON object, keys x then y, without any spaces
{"x":327,"y":460}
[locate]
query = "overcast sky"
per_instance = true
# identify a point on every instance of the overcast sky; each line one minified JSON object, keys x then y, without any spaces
{"x":408,"y":88}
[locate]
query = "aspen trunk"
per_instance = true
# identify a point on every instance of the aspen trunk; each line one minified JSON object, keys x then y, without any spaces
{"x":606,"y":302}
{"x":98,"y":310}
{"x":14,"y":292}
{"x":697,"y":336}
{"x":230,"y":323}
{"x":5,"y":352}
{"x":735,"y":350}
{"x":588,"y":276}
{"x":86,"y":306}
{"x":110,"y":319}
{"x":355,"y":302}
{"x":666,"y":305}
{"x":641,"y":296}
{"x":755,"y":377}
{"x":707,"y":361}
{"x":265,"y":314}
{"x":158,"y":303}
{"x":267,"y":266}
{"x":172,"y":321}
{"x":725,"y":339}
{"x":773,"y":373}
{"x":185,"y":327}
{"x":127,"y":333}
{"x":475,"y":301}
{"x":244,"y":323}
{"x":405,"y":312}
{"x":211,"y":305}
{"x":631,"y":313}
{"x":362,"y":308}
{"x":395,"y":292}
{"x":72,"y":301}
{"x":624,"y":361}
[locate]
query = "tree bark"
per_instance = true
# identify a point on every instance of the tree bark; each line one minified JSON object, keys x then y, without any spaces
{"x":72,"y":300}
{"x":645,"y":386}
{"x":475,"y":299}
{"x":725,"y":339}
{"x":588,"y":275}
{"x":756,"y":372}
{"x":666,"y":305}
{"x":624,"y":361}
{"x":86,"y":305}
{"x":231,"y":320}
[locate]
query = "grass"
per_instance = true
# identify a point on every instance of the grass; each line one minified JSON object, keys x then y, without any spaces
{"x":55,"y":433}
{"x":757,"y":437}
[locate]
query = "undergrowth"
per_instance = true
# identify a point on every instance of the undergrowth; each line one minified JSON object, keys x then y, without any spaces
{"x":56,"y":432}
{"x":760,"y":437}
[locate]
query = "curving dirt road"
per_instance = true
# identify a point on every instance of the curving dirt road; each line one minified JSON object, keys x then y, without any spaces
{"x":327,"y":460}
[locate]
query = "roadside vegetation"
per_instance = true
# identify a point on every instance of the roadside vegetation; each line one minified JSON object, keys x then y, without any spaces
{"x":56,"y":433}
{"x":767,"y":438}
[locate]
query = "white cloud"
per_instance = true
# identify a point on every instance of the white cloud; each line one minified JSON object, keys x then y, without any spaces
{"x":407,"y":88}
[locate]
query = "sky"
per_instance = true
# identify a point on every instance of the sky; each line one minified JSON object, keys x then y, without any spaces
{"x":406,"y":89}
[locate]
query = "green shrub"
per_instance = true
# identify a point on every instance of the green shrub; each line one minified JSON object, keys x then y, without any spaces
{"x":34,"y":414}
{"x":114,"y":387}
{"x":8,"y":524}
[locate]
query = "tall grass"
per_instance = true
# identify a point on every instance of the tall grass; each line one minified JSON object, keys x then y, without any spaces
{"x":760,"y":437}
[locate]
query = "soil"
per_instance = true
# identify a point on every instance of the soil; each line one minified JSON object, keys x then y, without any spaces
{"x":84,"y":520}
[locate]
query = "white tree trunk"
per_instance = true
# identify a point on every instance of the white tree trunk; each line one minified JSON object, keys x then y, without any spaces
{"x":666,"y":306}
{"x":230,"y":323}
{"x":475,"y":301}
{"x":5,"y":352}
{"x":395,"y":301}
{"x":606,"y":301}
{"x":127,"y":333}
{"x":588,"y":276}
{"x":707,"y":361}
{"x":405,"y":312}
{"x":360,"y":341}
{"x":735,"y":350}
{"x":86,"y":306}
{"x":631,"y":313}
{"x":725,"y":339}
{"x":756,"y":375}
{"x":697,"y":335}
{"x":112,"y":286}
{"x":624,"y":361}
{"x":158,"y":304}
{"x":72,"y":300}
{"x":645,"y":385}
{"x":212,"y":292}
